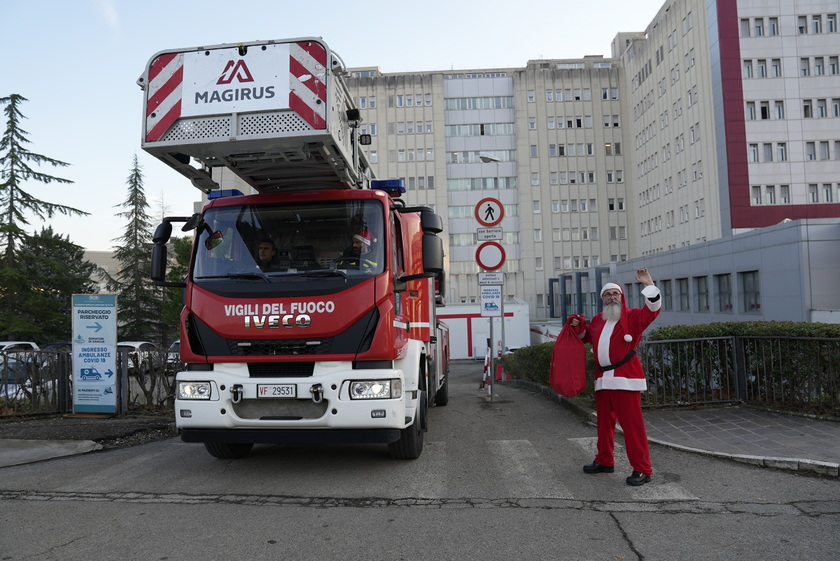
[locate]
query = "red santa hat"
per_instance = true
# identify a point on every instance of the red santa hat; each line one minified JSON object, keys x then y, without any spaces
{"x":624,"y":311}
{"x":364,"y":236}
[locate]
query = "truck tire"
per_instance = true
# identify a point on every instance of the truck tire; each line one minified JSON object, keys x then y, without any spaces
{"x":442,"y":395}
{"x":228,"y":450}
{"x":410,"y":444}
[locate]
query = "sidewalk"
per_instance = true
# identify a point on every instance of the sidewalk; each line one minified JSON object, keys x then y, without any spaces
{"x":737,"y":433}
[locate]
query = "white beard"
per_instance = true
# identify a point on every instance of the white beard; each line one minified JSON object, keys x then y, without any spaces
{"x":612,"y":312}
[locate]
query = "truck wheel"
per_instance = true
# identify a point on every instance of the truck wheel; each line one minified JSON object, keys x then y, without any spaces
{"x":228,"y":450}
{"x":410,"y":444}
{"x":442,"y":395}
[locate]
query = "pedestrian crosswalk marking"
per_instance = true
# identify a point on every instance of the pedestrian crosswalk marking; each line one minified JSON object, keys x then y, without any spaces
{"x":523,"y":472}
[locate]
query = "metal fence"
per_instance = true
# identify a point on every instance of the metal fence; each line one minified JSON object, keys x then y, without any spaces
{"x":789,"y":373}
{"x":41,"y":382}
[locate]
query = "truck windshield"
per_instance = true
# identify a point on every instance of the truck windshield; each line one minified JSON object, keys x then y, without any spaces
{"x":260,"y":243}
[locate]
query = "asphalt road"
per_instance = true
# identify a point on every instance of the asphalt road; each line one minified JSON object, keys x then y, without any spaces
{"x":498,"y":480}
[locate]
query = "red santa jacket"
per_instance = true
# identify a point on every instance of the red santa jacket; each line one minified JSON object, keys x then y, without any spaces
{"x":611,"y":341}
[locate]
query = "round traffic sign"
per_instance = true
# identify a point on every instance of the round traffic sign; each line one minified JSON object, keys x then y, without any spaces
{"x":490,"y":256}
{"x":489,"y":211}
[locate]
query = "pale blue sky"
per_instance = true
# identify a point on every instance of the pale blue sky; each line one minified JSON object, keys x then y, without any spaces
{"x":77,"y":62}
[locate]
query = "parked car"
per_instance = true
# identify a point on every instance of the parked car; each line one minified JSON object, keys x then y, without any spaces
{"x":173,"y":356}
{"x":13,"y":379}
{"x":61,"y":347}
{"x":142,"y":355}
{"x":16,"y":349}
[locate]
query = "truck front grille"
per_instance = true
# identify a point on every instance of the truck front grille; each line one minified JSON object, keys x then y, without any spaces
{"x":280,"y":369}
{"x":262,"y":347}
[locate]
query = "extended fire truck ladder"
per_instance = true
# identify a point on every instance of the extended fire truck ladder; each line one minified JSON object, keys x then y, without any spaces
{"x":277,"y":114}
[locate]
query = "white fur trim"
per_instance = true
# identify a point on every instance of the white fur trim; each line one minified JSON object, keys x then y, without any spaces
{"x":618,"y":383}
{"x":611,"y":285}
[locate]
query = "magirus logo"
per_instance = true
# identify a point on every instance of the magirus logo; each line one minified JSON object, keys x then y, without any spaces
{"x":235,"y":70}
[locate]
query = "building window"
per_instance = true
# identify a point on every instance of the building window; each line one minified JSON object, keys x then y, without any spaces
{"x":784,"y":194}
{"x":750,"y":291}
{"x":770,"y":190}
{"x":748,"y":69}
{"x":724,"y":293}
{"x":701,"y":285}
{"x":684,"y":302}
{"x":667,"y":296}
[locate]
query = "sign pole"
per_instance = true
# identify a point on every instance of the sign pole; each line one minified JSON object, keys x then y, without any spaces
{"x":491,"y":373}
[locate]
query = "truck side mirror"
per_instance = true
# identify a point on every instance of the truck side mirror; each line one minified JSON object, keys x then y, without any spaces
{"x":432,"y":253}
{"x":159,"y":252}
{"x":158,"y":273}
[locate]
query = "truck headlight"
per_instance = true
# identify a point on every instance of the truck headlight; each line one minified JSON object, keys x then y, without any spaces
{"x":194,"y":390}
{"x":376,"y":389}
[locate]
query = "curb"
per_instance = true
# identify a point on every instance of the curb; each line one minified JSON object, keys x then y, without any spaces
{"x":810,"y":467}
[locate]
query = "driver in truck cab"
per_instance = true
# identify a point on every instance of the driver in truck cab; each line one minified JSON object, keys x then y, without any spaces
{"x":359,"y":254}
{"x":267,"y":256}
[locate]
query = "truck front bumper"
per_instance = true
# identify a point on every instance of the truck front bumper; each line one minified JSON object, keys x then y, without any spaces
{"x":293,"y":436}
{"x":234,"y":411}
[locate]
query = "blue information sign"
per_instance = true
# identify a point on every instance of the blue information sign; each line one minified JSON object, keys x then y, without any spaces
{"x":95,"y":353}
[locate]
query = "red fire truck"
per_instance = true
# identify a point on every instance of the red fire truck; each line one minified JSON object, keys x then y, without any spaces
{"x":310,"y":301}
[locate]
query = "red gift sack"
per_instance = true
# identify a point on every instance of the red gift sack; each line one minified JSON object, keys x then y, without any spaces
{"x":567,"y":374}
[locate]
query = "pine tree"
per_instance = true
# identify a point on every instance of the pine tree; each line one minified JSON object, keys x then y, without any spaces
{"x":55,"y":269}
{"x":14,"y":171}
{"x":15,"y":203}
{"x":139,"y":302}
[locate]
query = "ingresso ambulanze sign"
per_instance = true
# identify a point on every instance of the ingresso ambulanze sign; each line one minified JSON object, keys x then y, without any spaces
{"x":94,"y":353}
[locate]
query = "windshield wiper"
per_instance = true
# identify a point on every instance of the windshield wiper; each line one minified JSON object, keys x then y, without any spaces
{"x":246,"y":276}
{"x":324,"y":273}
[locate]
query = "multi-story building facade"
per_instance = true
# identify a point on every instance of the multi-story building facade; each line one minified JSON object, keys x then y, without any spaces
{"x":721,"y":117}
{"x":545,"y":140}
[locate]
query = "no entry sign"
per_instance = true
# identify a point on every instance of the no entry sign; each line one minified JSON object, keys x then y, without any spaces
{"x":490,"y":256}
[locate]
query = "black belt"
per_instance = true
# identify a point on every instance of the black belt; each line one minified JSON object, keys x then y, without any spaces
{"x":630,"y":355}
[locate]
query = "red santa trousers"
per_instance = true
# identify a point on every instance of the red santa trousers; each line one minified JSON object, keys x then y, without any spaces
{"x":626,"y":407}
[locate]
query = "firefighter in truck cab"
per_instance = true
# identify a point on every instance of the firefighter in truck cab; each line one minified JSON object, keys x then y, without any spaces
{"x":360,"y":254}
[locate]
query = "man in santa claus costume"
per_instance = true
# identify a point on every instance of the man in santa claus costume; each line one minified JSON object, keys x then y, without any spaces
{"x":614,"y":334}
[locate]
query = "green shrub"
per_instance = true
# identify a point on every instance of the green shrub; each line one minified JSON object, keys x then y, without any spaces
{"x":789,"y":374}
{"x":745,"y":328}
{"x":533,"y":364}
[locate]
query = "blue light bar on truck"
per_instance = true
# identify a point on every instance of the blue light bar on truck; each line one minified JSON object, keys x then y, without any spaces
{"x":224,"y":193}
{"x":394,"y":187}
